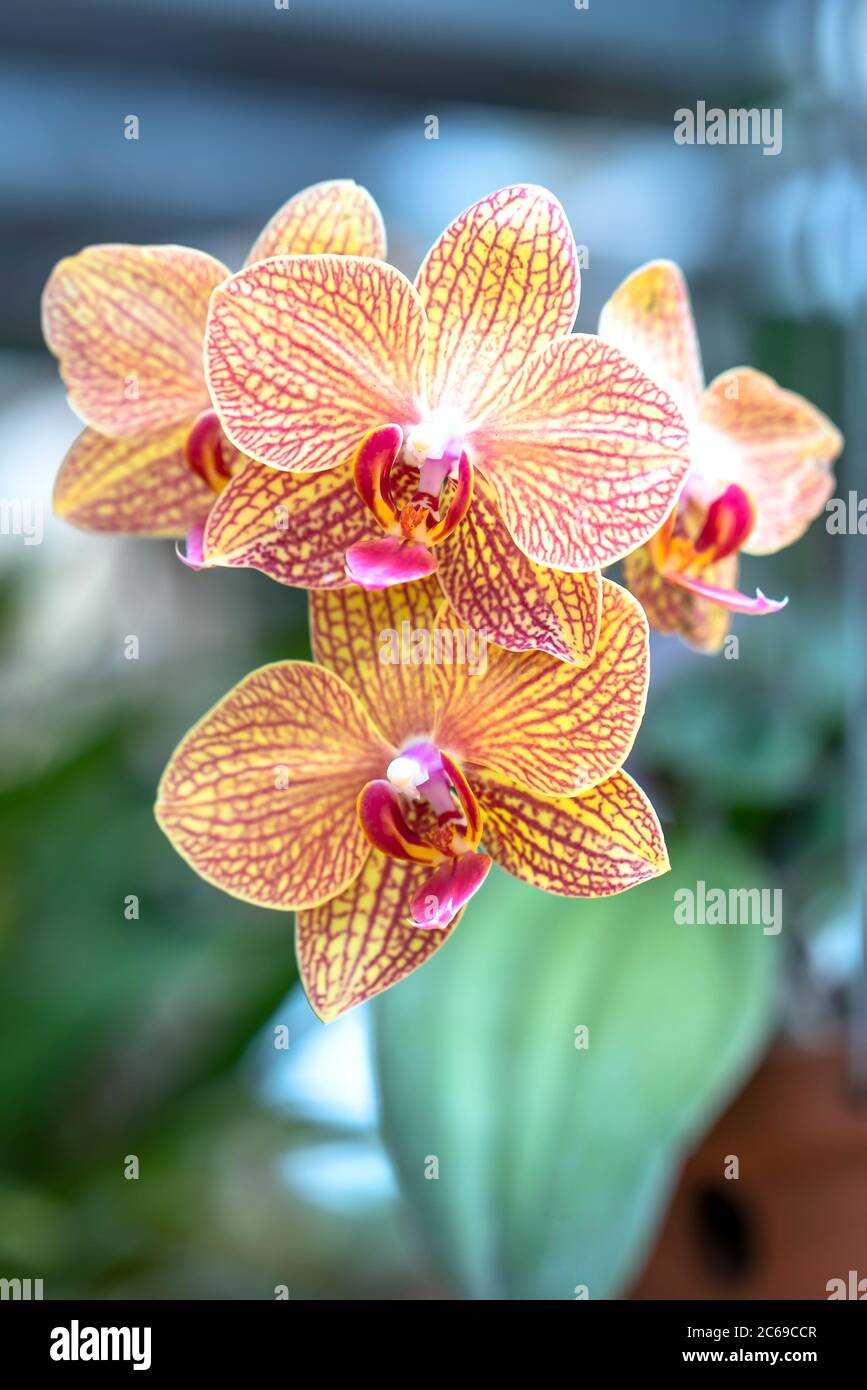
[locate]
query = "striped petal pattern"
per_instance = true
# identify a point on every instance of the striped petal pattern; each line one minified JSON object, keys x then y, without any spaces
{"x":496,"y":589}
{"x":501,"y":281}
{"x":294,"y":527}
{"x":363,"y":941}
{"x":649,"y":318}
{"x":259,"y":797}
{"x":338,"y":216}
{"x":584,"y":453}
{"x":367,"y":638}
{"x":307,"y":354}
{"x":591,"y":846}
{"x":542,"y":724}
{"x":127,"y":324}
{"x":141,"y":486}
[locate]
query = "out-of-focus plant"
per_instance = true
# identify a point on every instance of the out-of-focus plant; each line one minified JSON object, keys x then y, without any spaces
{"x":542,"y":1079}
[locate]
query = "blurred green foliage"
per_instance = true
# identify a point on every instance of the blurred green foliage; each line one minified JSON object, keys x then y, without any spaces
{"x":556,"y":1149}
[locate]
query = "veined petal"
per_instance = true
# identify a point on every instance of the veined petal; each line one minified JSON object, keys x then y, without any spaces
{"x":142,"y":486}
{"x":127,"y":325}
{"x":259,"y":797}
{"x":649,"y":318}
{"x":669,"y":609}
{"x":294,"y":527}
{"x":776,"y":445}
{"x":338,"y":216}
{"x":585,"y":455}
{"x":307,"y":354}
{"x":501,"y":281}
{"x":495,"y":588}
{"x":541,"y":723}
{"x":363,"y":941}
{"x":378,"y":642}
{"x":590,"y":846}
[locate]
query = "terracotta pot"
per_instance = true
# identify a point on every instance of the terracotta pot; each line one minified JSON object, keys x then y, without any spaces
{"x":795,"y":1218}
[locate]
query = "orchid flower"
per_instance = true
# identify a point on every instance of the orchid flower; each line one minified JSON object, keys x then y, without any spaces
{"x":760,"y":465}
{"x":371,"y":796}
{"x":453,"y":426}
{"x":128,"y":325}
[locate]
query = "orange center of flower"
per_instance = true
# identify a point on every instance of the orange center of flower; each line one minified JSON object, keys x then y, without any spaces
{"x":697,"y":536}
{"x":424,"y":812}
{"x":209,"y":453}
{"x":443,"y":492}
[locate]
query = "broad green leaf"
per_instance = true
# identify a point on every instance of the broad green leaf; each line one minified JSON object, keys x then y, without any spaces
{"x":555,"y":1161}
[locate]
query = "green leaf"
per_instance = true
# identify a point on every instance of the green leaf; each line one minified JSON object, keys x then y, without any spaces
{"x":555,"y":1161}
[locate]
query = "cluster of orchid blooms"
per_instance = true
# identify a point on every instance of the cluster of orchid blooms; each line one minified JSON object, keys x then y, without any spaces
{"x":445,"y":452}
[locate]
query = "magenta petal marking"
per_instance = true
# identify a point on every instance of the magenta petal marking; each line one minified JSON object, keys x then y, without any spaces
{"x":194,"y":556}
{"x":443,"y":895}
{"x":372,"y":472}
{"x":729,"y":598}
{"x":377,"y":564}
{"x":384,"y":824}
{"x":728,"y":523}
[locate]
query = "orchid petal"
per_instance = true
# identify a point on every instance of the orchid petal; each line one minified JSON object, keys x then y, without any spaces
{"x":259,"y":797}
{"x":543,"y":724}
{"x":591,"y":846}
{"x":306,"y":354}
{"x":584,"y":453}
{"x":670,"y":609}
{"x":449,"y":888}
{"x":362,"y":942}
{"x":501,"y":281}
{"x":294,"y":527}
{"x":140,"y":486}
{"x":496,"y":589}
{"x":338,"y":216}
{"x":388,"y":560}
{"x":127,"y":325}
{"x":649,"y":318}
{"x":773,"y":443}
{"x":367,"y":638}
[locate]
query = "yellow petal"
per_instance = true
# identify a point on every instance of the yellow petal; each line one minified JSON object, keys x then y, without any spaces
{"x":497,"y":590}
{"x":306,"y":354}
{"x":501,"y":281}
{"x":545,"y":725}
{"x":294,"y":527}
{"x":585,"y":455}
{"x":649,"y":318}
{"x":362,"y":942}
{"x":127,"y":324}
{"x":590,"y":846}
{"x":141,"y":486}
{"x":259,"y":797}
{"x":373,"y":640}
{"x":338,"y":217}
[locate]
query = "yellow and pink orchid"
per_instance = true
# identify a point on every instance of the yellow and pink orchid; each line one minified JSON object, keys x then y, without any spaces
{"x":760,"y":467}
{"x":128,"y":326}
{"x":452,"y":426}
{"x":371,"y":796}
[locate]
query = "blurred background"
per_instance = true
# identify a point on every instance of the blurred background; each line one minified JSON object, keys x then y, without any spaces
{"x":452,"y":1139}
